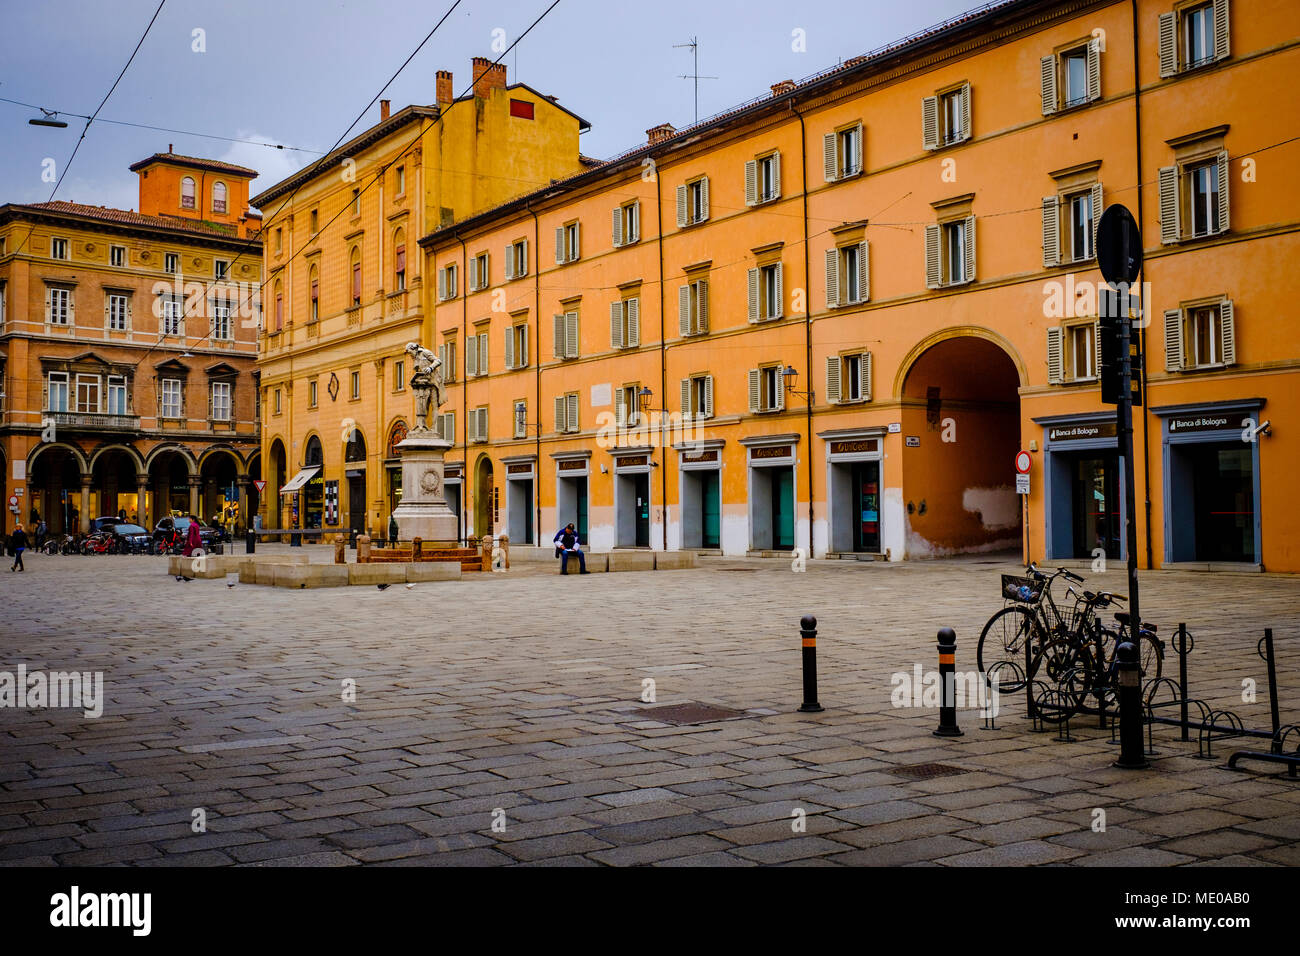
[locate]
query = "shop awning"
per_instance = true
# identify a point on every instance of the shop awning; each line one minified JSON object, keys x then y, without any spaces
{"x":300,"y":479}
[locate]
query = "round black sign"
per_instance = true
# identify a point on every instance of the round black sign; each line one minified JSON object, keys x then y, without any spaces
{"x":1119,"y":246}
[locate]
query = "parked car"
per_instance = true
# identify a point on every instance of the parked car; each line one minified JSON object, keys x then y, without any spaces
{"x":103,"y":524}
{"x":133,"y":539}
{"x":171,"y":532}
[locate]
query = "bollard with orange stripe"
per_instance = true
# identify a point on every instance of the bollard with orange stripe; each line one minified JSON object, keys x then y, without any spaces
{"x":948,"y":684}
{"x":808,"y":628}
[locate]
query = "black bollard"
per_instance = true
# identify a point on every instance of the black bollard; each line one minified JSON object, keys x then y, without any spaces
{"x":250,"y":542}
{"x":1183,"y":647}
{"x":948,"y":684}
{"x":808,"y":628}
{"x":1131,"y":753}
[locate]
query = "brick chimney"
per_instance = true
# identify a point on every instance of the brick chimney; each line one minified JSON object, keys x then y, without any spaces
{"x":445,"y":92}
{"x":384,"y":107}
{"x":660,"y":133}
{"x":785,"y":86}
{"x":488,"y":76}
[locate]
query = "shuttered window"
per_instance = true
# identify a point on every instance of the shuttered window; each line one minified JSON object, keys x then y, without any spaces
{"x":565,"y":326}
{"x":766,"y":389}
{"x":697,"y":396}
{"x":950,"y":253}
{"x":625,"y":323}
{"x":946,"y":117}
{"x":848,"y":378}
{"x":762,"y":179}
{"x":693,"y":202}
{"x":1194,"y":199}
{"x":766,"y":292}
{"x":847,"y":272}
{"x":626,"y":224}
{"x":1193,"y":37}
{"x":693,"y":308}
{"x":1201,"y":337}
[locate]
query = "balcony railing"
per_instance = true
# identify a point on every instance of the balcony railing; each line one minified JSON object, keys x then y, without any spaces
{"x":94,"y":421}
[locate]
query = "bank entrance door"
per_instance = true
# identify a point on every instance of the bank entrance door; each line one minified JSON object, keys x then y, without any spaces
{"x":866,"y":490}
{"x":642,"y":510}
{"x":1223,"y":499}
{"x":357,"y":503}
{"x":710,"y":509}
{"x":782,"y":509}
{"x":1095,"y":504}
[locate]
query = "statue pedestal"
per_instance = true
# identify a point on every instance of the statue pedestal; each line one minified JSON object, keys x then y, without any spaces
{"x":423,"y":511}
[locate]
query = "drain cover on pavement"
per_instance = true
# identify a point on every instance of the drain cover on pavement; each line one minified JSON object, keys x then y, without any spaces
{"x":924,"y":771}
{"x":691,"y":713}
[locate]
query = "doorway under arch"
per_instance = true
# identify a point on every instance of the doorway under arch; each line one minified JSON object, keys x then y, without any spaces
{"x":484,"y":497}
{"x":277,"y":476}
{"x":960,"y":398}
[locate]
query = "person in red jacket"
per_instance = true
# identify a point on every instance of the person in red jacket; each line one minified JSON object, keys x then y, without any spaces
{"x":193,"y":539}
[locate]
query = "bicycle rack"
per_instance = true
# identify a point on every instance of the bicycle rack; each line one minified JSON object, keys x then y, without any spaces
{"x":994,"y":674}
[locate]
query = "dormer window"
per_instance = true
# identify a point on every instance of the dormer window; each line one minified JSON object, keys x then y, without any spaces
{"x":187,"y":193}
{"x":219,"y":197}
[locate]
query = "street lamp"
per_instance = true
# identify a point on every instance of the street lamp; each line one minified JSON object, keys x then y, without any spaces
{"x":48,"y":119}
{"x":644,"y":397}
{"x":791,"y":377}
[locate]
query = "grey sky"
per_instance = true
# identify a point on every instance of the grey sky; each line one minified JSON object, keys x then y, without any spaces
{"x":298,"y":71}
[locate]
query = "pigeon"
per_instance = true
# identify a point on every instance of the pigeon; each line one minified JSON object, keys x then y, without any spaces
{"x":181,"y":577}
{"x":409,"y":586}
{"x":383,"y":587}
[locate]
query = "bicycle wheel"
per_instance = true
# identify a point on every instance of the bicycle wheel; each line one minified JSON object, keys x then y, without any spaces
{"x":1002,"y":646}
{"x":1151,"y":657}
{"x":1070,"y":669}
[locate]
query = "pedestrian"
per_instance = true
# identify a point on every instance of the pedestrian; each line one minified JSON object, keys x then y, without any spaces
{"x":18,"y":544}
{"x":556,"y":540}
{"x":193,"y":538}
{"x":569,"y":544}
{"x":41,"y":531}
{"x":121,"y":515}
{"x":392,"y":531}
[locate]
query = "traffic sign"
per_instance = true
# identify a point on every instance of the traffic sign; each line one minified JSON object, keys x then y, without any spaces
{"x":1022,"y":484}
{"x":1022,"y":463}
{"x":259,"y":484}
{"x":1119,"y":246}
{"x":13,"y":501}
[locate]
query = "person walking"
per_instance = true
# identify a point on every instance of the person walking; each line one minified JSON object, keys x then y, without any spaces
{"x":41,"y":532}
{"x":193,"y":538}
{"x":569,"y":544}
{"x":18,"y":544}
{"x":392,"y":531}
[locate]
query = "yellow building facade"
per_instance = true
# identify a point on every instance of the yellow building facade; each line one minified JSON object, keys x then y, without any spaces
{"x":345,"y":286}
{"x":830,"y":318}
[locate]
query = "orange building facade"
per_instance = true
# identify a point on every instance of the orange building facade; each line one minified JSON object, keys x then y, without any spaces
{"x":128,"y":349}
{"x":829,"y":319}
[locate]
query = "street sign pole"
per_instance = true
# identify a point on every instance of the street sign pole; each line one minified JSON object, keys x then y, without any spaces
{"x":1124,"y":415}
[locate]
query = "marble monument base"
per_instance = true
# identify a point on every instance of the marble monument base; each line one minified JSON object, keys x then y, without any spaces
{"x":423,"y":511}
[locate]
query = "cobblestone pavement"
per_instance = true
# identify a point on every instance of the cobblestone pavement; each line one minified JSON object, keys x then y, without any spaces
{"x":515,"y":699}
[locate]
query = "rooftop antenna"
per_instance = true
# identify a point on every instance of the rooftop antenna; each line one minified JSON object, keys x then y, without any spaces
{"x":694,"y":46}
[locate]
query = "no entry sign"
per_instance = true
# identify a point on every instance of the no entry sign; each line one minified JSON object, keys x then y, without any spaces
{"x":1022,"y":463}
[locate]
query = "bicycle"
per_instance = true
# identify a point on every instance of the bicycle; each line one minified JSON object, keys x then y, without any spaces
{"x":1033,"y":618}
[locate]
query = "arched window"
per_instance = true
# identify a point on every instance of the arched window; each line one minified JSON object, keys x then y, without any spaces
{"x":399,"y":269}
{"x":312,"y":455}
{"x":314,"y":287}
{"x":218,"y":197}
{"x":356,"y":276}
{"x":396,"y":435}
{"x":355,"y":450}
{"x":187,"y":193}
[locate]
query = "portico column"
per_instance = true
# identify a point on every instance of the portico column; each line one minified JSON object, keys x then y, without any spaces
{"x":141,"y":509}
{"x":244,"y":484}
{"x":86,"y":482}
{"x":195,"y":482}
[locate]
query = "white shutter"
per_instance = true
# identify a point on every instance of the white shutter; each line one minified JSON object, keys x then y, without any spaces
{"x":571,"y":413}
{"x":1221,"y":35}
{"x":777,"y":308}
{"x":634,"y":222}
{"x":1228,"y":332}
{"x":442,"y":283}
{"x":751,"y":183}
{"x":865,"y":372}
{"x":1170,"y":227}
{"x":930,"y":122}
{"x":1094,"y":69}
{"x":1168,"y":43}
{"x":1055,"y":355}
{"x":1173,"y":340}
{"x":780,"y":390}
{"x":620,"y":407}
{"x":1096,"y":215}
{"x":830,"y":158}
{"x":776,"y":175}
{"x":633,"y":322}
{"x":970,"y":248}
{"x":521,"y":428}
{"x":965,"y":113}
{"x":704,"y":198}
{"x":753,"y":295}
{"x":510,"y":347}
{"x":833,"y":379}
{"x":510,"y":262}
{"x":522,"y":357}
{"x":858,"y":142}
{"x":485,"y":279}
{"x":755,"y":392}
{"x":523,"y":269}
{"x":1047,"y":82}
{"x":571,"y":334}
{"x":686,"y":398}
{"x":449,"y":373}
{"x":473,"y":274}
{"x":708,"y":396}
{"x":483,"y":353}
{"x":442,"y":359}
{"x":832,"y":278}
{"x":559,"y":336}
{"x":1222,"y":161}
{"x":108,"y":300}
{"x":616,"y":325}
{"x":471,"y":355}
{"x":684,"y":310}
{"x":617,"y":224}
{"x":72,"y":310}
{"x":864,"y":271}
{"x":1051,"y":232}
{"x":559,"y":241}
{"x":561,"y":405}
{"x":682,"y":207}
{"x":933,"y":276}
{"x":702,"y":301}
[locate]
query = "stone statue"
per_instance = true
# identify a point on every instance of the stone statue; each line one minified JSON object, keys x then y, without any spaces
{"x":426,"y":383}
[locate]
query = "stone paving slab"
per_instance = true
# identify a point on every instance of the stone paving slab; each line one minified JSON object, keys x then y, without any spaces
{"x":409,"y":726}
